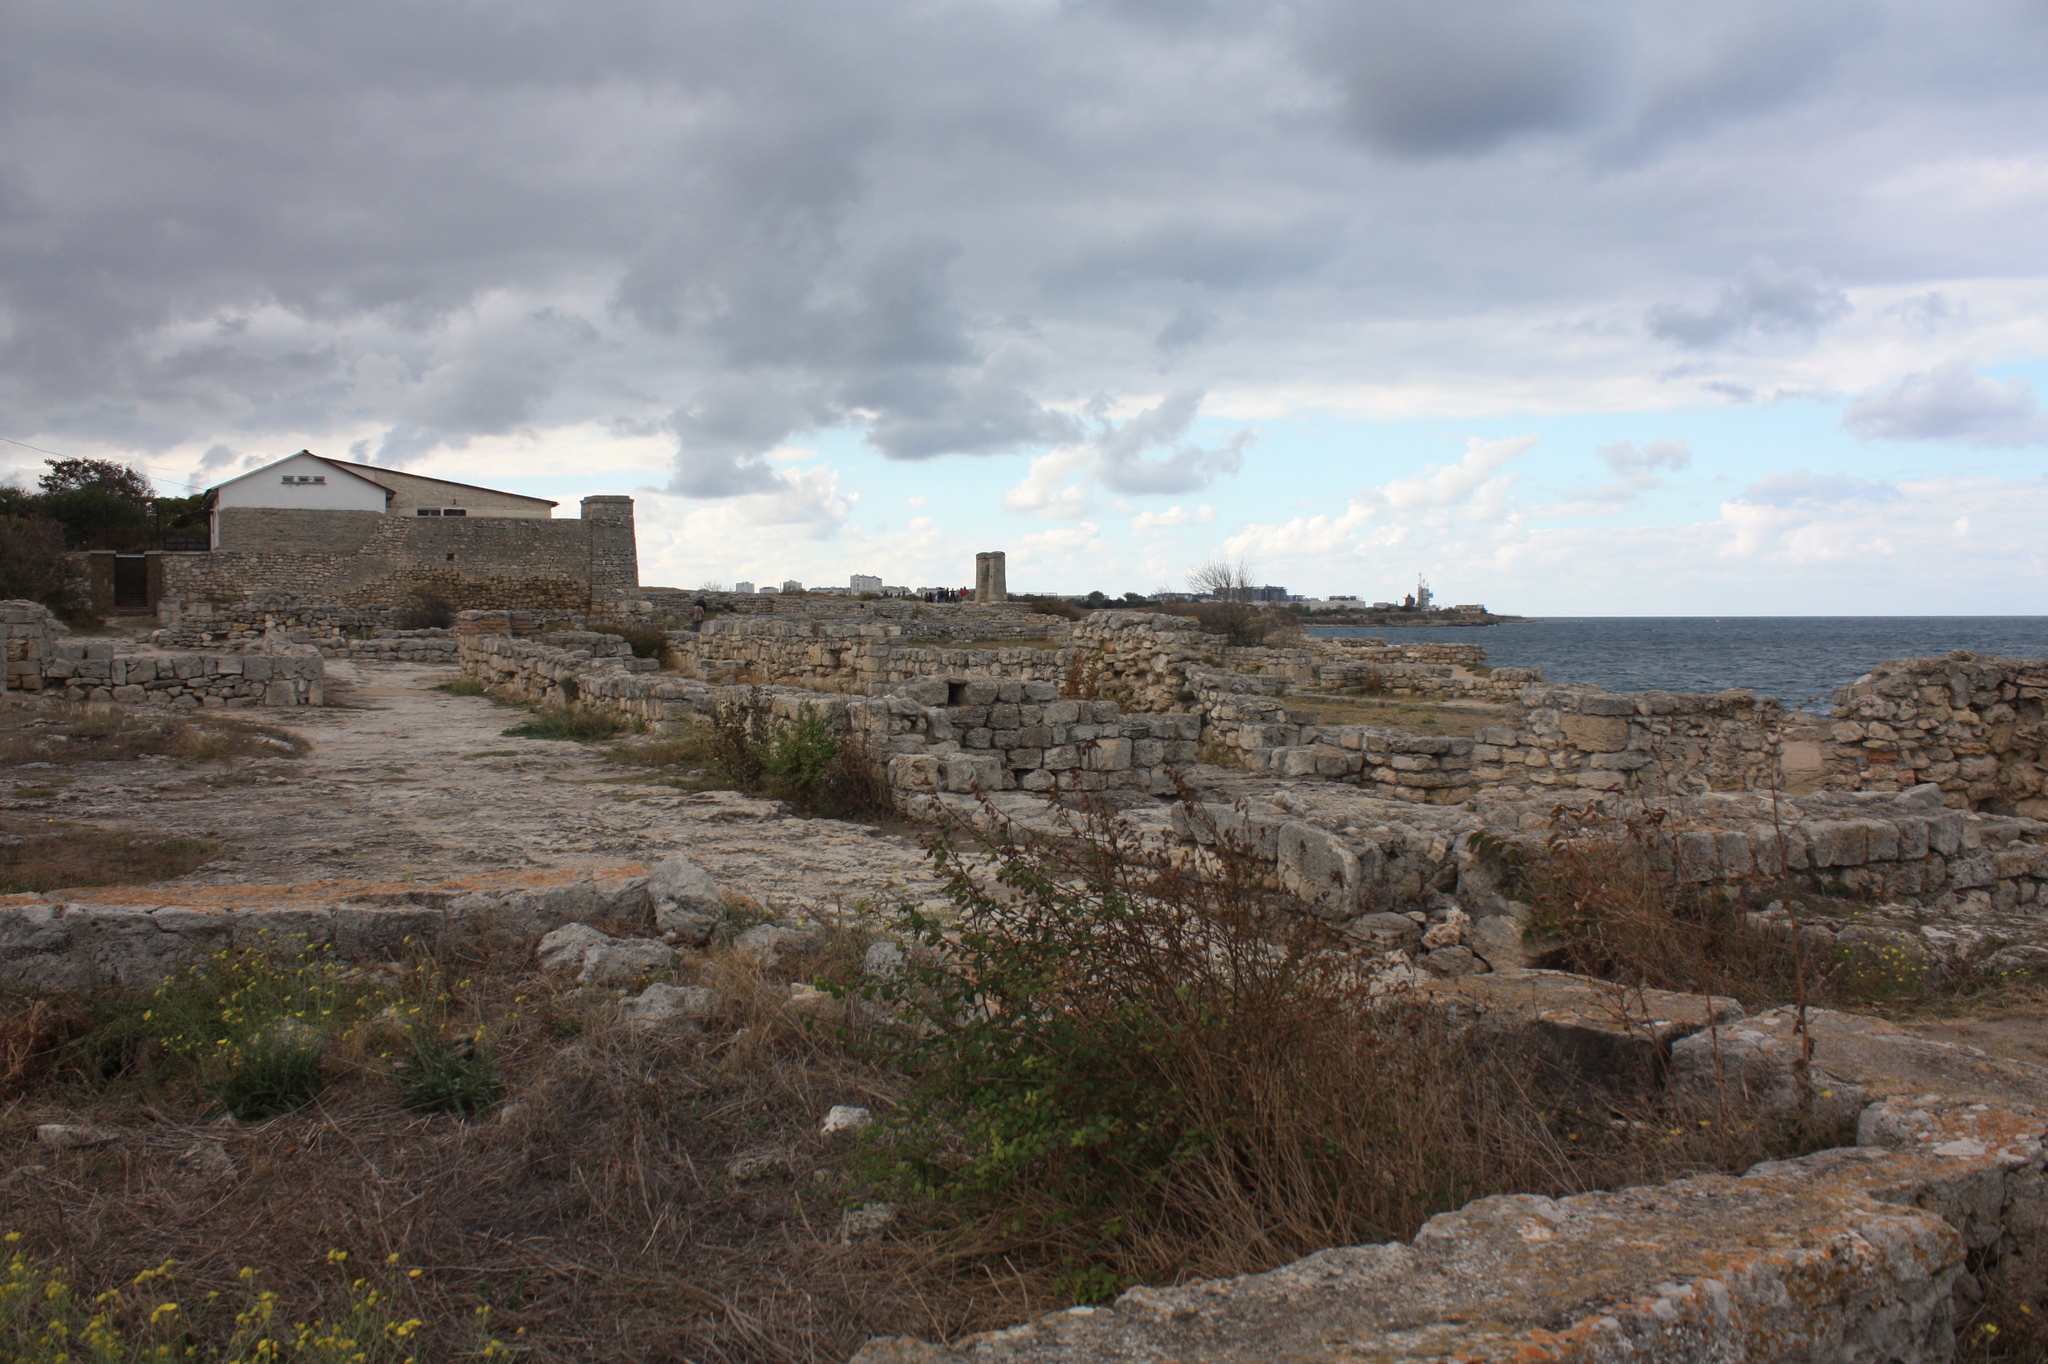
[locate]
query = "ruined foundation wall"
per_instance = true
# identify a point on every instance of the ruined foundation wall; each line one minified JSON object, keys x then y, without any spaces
{"x":1550,"y":738}
{"x":1976,"y":727}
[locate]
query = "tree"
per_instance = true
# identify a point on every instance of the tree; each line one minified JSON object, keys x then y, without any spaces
{"x":1222,"y":580}
{"x":119,"y":480}
{"x":32,"y":564}
{"x":98,"y":502}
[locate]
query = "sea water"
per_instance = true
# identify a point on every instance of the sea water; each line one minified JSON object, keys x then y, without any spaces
{"x":1798,"y":659}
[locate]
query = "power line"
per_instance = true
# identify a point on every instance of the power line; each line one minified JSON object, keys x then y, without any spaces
{"x":54,"y":455}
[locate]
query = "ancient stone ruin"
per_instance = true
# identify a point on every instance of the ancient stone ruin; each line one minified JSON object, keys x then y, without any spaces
{"x":1922,"y":792}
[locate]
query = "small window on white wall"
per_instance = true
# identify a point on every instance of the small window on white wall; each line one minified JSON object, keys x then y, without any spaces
{"x":299,"y":479}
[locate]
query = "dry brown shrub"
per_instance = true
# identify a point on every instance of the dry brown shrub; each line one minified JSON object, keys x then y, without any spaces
{"x":1132,"y":1069}
{"x":31,"y":1030}
{"x":1609,"y":904}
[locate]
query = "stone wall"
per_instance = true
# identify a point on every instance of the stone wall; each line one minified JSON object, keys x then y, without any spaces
{"x":934,"y":734}
{"x":1973,"y":726}
{"x":28,"y":638}
{"x":917,"y":620}
{"x":1550,"y":737}
{"x":362,"y":559}
{"x":91,"y":670}
{"x":864,"y":658}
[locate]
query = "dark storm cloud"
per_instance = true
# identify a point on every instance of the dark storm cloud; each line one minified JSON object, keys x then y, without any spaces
{"x":1459,"y":77}
{"x":243,"y":224}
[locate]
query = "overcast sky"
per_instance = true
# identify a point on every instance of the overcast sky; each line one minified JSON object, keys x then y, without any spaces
{"x":1575,"y":307}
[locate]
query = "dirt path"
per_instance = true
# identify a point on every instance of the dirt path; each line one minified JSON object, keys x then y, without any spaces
{"x":408,"y":783}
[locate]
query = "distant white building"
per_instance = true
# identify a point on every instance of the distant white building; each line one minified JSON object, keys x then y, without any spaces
{"x":864,"y":582}
{"x":744,"y":589}
{"x":792,"y":585}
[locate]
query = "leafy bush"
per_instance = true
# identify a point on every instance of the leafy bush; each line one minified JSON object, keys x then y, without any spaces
{"x":817,"y":770}
{"x":33,"y":567}
{"x":44,"y":1319}
{"x":247,"y":1026}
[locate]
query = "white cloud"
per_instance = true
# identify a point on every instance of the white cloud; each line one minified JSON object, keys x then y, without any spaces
{"x":1793,"y":543}
{"x":1173,"y":516}
{"x":1950,"y":402}
{"x":1635,"y":475}
{"x":1055,"y":485}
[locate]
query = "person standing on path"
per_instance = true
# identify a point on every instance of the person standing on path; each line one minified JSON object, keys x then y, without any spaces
{"x":697,"y":615}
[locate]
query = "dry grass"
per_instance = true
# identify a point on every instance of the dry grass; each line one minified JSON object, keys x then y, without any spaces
{"x":592,"y":1213}
{"x":950,"y":642}
{"x":1269,"y":1101}
{"x":1608,"y":905}
{"x":69,"y":732}
{"x":1418,"y":717}
{"x":43,"y":855}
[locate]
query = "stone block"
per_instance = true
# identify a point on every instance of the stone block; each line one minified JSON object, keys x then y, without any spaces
{"x":1110,"y":755}
{"x":1595,"y":733}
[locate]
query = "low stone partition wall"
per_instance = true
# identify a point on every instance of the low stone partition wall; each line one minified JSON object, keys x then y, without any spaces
{"x":1975,"y":727}
{"x":1848,"y":1255}
{"x":988,"y":734}
{"x":206,"y":625}
{"x":40,"y":659}
{"x":934,"y":734}
{"x":28,"y":639}
{"x":856,"y":659}
{"x":136,"y":936}
{"x":1940,"y":886}
{"x":290,"y":675}
{"x":914,"y":618}
{"x":1551,"y":737}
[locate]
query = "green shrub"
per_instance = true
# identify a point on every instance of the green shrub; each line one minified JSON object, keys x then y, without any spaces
{"x":268,"y":1078}
{"x":582,"y":724}
{"x":799,"y":757}
{"x":247,"y":1026}
{"x":804,"y":762}
{"x":462,"y":686}
{"x":443,"y":1076}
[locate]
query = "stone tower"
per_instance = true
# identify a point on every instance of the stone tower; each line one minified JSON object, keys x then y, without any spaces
{"x":991,"y":576}
{"x":614,"y":553}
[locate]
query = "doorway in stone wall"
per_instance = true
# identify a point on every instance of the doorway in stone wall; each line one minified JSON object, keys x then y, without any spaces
{"x":131,"y":582}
